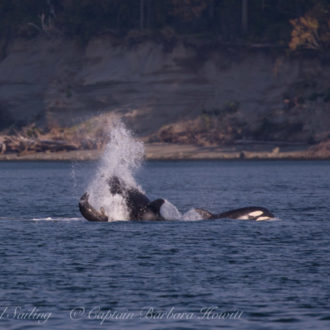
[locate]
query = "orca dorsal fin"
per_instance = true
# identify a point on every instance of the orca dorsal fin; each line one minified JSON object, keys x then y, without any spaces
{"x":155,"y":205}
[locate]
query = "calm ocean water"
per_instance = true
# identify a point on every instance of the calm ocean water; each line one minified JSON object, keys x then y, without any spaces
{"x":59,"y":271}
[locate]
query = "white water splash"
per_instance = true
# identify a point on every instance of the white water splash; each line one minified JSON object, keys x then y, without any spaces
{"x":191,"y":215}
{"x":122,"y":157}
{"x":169,"y":212}
{"x":54,"y":219}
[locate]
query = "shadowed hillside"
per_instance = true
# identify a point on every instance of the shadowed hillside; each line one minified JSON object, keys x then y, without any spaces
{"x":185,"y":76}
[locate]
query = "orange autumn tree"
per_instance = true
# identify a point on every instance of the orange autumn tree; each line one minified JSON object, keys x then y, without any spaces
{"x":311,"y":31}
{"x":305,"y":33}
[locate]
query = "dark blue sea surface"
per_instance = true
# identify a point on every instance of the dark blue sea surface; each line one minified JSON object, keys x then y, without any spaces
{"x":59,"y":271}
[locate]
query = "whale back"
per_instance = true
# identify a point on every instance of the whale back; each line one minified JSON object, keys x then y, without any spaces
{"x":247,"y":213}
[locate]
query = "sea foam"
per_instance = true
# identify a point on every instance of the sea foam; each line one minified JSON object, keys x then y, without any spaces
{"x":123,"y":155}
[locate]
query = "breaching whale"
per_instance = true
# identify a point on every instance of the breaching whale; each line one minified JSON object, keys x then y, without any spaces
{"x":141,"y":208}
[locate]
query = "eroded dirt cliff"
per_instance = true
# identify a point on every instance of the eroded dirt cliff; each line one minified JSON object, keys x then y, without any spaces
{"x":195,"y":92}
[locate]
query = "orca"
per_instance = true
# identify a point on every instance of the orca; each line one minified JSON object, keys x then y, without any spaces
{"x":141,"y":208}
{"x":89,"y":212}
{"x":257,"y":213}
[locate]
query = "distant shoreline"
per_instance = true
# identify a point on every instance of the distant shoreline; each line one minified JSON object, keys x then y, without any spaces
{"x":163,"y":151}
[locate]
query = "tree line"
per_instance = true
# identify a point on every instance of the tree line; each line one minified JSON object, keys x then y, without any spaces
{"x":264,"y":21}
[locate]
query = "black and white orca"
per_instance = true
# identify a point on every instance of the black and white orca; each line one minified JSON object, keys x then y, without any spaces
{"x":257,"y":213}
{"x":141,"y":208}
{"x":89,"y":212}
{"x":138,"y":204}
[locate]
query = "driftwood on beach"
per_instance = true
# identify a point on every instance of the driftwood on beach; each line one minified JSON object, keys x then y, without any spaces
{"x":21,"y":144}
{"x":32,"y":140}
